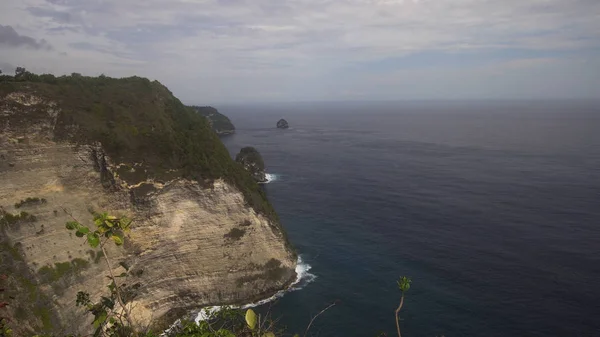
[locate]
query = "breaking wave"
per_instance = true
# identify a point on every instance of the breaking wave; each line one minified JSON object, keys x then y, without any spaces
{"x":271,"y":177}
{"x":303,"y":278}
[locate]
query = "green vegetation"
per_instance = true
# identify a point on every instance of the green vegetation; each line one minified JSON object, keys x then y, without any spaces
{"x":219,"y":122}
{"x":253,"y":162}
{"x":44,"y":316}
{"x":21,"y":293}
{"x":136,"y":121}
{"x":235,"y":234}
{"x":13,"y":251}
{"x":8,"y":219}
{"x":251,"y":155}
{"x":51,"y":274}
{"x":30,"y":201}
{"x":112,"y":314}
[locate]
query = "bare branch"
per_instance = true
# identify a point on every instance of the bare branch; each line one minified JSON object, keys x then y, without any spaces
{"x":398,"y":312}
{"x":317,"y":315}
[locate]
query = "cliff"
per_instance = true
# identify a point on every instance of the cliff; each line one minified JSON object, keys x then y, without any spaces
{"x":203,"y":231}
{"x":253,"y":162}
{"x":218,"y":122}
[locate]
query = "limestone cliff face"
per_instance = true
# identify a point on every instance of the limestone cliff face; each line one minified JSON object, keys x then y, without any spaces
{"x":191,"y":244}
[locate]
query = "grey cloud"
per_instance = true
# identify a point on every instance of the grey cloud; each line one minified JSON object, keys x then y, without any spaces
{"x":101,"y":6}
{"x":61,"y":29}
{"x":9,"y":37}
{"x":58,"y":16}
{"x":261,"y":42}
{"x":86,"y":46}
{"x":82,"y":46}
{"x":148,"y":33}
{"x":6,"y":68}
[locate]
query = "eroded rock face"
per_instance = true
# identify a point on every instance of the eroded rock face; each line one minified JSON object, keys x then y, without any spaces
{"x":282,"y":124}
{"x":252,"y":161}
{"x":190,"y":245}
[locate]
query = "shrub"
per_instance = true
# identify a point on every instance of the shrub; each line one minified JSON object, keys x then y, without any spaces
{"x":235,"y":234}
{"x":30,"y":201}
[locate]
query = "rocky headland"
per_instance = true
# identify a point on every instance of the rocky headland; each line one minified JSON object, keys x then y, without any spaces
{"x":203,"y":232}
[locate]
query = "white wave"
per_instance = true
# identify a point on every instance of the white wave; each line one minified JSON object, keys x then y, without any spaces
{"x":270,"y":177}
{"x":303,"y":278}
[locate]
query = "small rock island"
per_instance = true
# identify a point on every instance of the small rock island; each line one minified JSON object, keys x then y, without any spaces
{"x":253,"y":162}
{"x":282,"y":124}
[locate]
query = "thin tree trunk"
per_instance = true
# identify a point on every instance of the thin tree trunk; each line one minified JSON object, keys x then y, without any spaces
{"x":119,"y":298}
{"x":398,"y":312}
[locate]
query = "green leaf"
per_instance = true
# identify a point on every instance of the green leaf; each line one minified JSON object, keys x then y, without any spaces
{"x":224,"y":333}
{"x":111,"y":286}
{"x":118,"y":239}
{"x":404,"y":283}
{"x":108,"y":223}
{"x":93,"y":239}
{"x":81,"y":231}
{"x":100,"y":318}
{"x":251,"y":319}
{"x":108,"y":302}
{"x":71,"y":225}
{"x":125,"y":223}
{"x":268,"y":334}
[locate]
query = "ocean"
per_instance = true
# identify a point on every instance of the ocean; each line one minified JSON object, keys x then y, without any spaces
{"x":492,"y":208}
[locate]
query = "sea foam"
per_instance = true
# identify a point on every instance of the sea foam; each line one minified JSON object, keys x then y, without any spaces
{"x":270,"y":177}
{"x":303,"y":278}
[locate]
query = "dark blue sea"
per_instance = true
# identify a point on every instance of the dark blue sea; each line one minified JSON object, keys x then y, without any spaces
{"x":492,"y":208}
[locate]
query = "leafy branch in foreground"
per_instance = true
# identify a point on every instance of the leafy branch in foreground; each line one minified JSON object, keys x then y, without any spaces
{"x":110,"y":319}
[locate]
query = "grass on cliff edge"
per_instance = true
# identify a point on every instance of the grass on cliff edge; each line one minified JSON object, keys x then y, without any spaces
{"x":136,"y":120}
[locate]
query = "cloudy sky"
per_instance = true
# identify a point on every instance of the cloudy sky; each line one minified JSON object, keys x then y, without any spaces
{"x":221,"y":51}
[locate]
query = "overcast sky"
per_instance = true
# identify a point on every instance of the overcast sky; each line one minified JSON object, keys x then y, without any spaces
{"x":226,"y":51}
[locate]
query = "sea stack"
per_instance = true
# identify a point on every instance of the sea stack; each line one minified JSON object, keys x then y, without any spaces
{"x":282,"y":124}
{"x":252,"y":161}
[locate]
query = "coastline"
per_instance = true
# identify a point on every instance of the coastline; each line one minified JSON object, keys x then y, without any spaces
{"x":301,"y":277}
